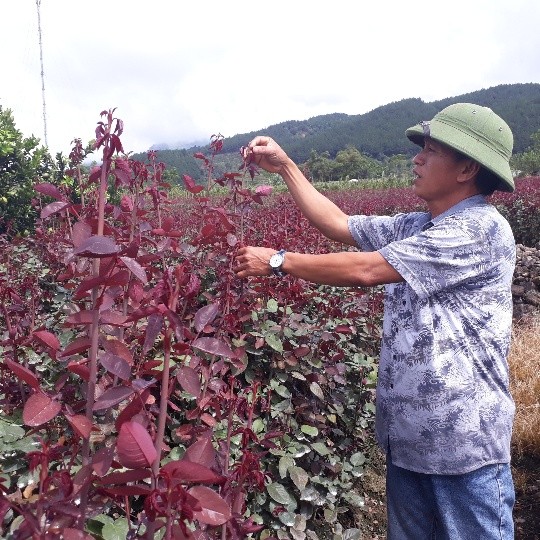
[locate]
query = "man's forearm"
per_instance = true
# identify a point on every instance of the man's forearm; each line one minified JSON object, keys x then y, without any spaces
{"x":320,"y":211}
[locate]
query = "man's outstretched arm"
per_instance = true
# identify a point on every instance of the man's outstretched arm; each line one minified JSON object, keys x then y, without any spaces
{"x":320,"y":211}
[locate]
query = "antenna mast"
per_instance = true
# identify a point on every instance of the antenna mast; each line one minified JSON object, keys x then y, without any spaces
{"x":38,"y":6}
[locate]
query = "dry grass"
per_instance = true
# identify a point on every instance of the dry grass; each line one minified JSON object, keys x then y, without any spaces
{"x":524,"y":361}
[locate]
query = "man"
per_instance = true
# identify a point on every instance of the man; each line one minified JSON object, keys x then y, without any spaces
{"x":444,"y":411}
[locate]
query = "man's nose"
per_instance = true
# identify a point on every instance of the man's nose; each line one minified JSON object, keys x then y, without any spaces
{"x":417,"y":159}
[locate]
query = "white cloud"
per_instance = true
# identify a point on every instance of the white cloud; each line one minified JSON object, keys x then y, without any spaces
{"x":181,"y":71}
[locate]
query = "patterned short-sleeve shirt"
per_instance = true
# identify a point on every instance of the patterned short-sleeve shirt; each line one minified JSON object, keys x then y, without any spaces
{"x":443,"y":402}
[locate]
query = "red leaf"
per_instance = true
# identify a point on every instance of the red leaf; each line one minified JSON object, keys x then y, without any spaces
{"x":191,"y":186}
{"x":189,"y":380}
{"x":81,"y":232}
{"x":80,"y":424}
{"x":188,"y":471}
{"x":215,"y":510}
{"x":40,"y":408}
{"x":301,"y":351}
{"x":114,"y":318}
{"x":115,"y":365}
{"x":122,"y":171}
{"x":84,"y":318}
{"x":153,"y":328}
{"x":168,"y":223}
{"x":53,"y":208}
{"x":131,"y":409}
{"x":23,"y":373}
{"x":77,"y":346}
{"x":95,"y":172}
{"x":263,"y":190}
{"x":136,"y":269}
{"x":102,"y":460}
{"x":205,"y":315}
{"x":134,"y":475}
{"x":343,"y":329}
{"x":126,"y":203}
{"x":79,"y":369}
{"x":113,"y":396}
{"x":137,"y":489}
{"x":97,"y":246}
{"x":119,"y":278}
{"x":213,"y":346}
{"x":48,"y":339}
{"x":135,"y":446}
{"x":202,"y":452}
{"x":208,"y":419}
{"x":118,"y":348}
{"x":50,"y":190}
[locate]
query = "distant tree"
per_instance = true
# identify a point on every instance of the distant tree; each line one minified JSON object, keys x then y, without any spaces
{"x":528,"y":163}
{"x":352,"y":163}
{"x":397,"y":166}
{"x":22,"y":162}
{"x":320,"y":167}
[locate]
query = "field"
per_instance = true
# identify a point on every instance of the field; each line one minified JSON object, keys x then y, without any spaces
{"x":145,"y":388}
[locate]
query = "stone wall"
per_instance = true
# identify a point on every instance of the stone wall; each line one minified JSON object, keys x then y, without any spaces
{"x":526,"y":285}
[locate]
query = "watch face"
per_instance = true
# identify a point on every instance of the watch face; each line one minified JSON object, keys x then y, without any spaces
{"x":276,"y":260}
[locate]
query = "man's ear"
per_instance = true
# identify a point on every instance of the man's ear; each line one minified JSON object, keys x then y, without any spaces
{"x":469,"y":170}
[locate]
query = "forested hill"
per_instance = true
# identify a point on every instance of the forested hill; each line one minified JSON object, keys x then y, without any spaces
{"x":379,"y":132}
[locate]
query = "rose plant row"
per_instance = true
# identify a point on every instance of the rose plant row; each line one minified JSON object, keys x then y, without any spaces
{"x":147,"y":392}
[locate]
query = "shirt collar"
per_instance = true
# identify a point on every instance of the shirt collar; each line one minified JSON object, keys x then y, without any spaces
{"x":475,"y":200}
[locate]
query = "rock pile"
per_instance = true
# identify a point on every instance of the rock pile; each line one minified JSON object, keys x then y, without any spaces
{"x":526,"y":284}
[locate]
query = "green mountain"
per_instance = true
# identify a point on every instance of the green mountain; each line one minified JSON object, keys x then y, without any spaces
{"x":378,"y":133}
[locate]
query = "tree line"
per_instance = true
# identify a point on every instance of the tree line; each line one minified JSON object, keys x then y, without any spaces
{"x":377,"y":135}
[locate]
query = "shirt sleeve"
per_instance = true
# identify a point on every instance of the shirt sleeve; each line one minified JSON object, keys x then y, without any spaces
{"x":450,"y":253}
{"x":371,"y":233}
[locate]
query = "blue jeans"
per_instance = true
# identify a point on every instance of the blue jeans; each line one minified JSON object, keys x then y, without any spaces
{"x":473,"y":506}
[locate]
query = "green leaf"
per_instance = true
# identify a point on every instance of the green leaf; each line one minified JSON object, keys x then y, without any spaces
{"x":354,"y":499}
{"x":117,"y":530}
{"x":272,"y":305}
{"x":300,"y":450}
{"x":284,"y":463}
{"x":282,"y":391}
{"x":10,"y":432}
{"x":258,"y":425}
{"x":274,"y":342}
{"x":280,"y":494}
{"x":317,"y":390}
{"x":320,"y":448}
{"x":352,"y":534}
{"x":309,"y":430}
{"x":299,"y":476}
{"x":287,"y":518}
{"x":357,"y":459}
{"x":330,"y":515}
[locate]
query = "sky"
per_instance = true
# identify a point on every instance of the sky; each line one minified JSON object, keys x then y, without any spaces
{"x":179,"y":71}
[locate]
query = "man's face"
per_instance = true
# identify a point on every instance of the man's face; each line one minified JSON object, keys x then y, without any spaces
{"x":436,"y":168}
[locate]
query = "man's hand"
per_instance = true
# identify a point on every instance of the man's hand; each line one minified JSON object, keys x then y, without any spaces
{"x":253,"y":261}
{"x":266,"y":153}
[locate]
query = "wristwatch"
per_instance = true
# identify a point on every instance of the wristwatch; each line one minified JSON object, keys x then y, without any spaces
{"x":276,"y":262}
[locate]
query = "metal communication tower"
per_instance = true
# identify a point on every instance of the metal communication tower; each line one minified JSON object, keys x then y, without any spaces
{"x":38,"y":6}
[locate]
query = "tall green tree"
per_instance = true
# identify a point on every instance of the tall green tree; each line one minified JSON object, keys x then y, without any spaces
{"x":22,"y":162}
{"x":351,"y":163}
{"x":528,"y":163}
{"x":320,"y":167}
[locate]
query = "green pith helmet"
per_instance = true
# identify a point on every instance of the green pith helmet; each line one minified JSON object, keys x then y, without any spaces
{"x":475,"y":131}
